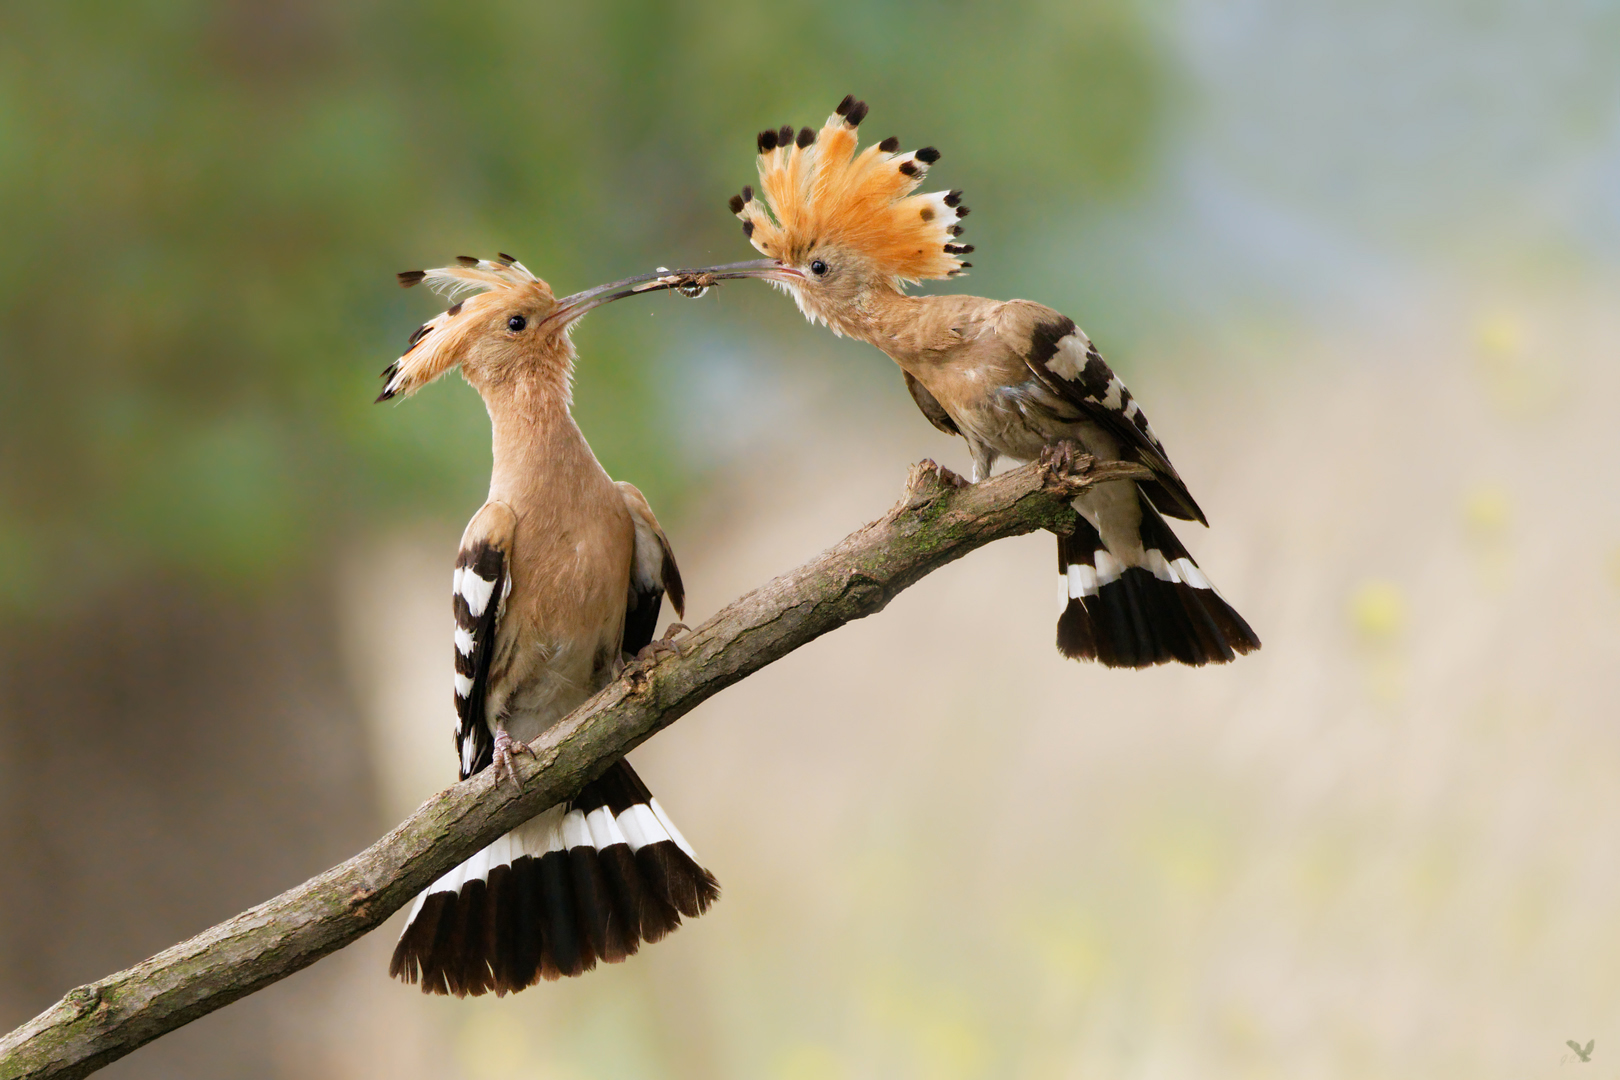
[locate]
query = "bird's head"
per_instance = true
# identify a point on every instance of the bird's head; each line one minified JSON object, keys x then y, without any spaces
{"x":836,"y":223}
{"x":510,"y":324}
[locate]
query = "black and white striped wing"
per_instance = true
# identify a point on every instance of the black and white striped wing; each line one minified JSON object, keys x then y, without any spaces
{"x":479,"y":592}
{"x":1065,"y":361}
{"x":653,"y":575}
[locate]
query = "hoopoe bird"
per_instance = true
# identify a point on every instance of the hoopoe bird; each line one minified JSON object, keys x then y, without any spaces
{"x":844,"y":232}
{"x":560,"y":579}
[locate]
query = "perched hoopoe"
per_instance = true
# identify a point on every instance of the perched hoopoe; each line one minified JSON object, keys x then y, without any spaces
{"x":560,"y":579}
{"x":844,"y":233}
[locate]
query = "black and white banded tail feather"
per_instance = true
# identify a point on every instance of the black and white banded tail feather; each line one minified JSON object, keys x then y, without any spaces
{"x":584,"y":882}
{"x":1137,"y":616}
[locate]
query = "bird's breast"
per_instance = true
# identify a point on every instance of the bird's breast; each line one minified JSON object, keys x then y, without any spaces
{"x":565,"y":616}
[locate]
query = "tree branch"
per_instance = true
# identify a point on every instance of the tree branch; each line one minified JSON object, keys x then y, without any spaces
{"x":935,"y":523}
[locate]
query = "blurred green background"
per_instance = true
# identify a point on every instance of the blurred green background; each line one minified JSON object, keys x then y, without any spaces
{"x":1360,"y":261}
{"x":205,"y":203}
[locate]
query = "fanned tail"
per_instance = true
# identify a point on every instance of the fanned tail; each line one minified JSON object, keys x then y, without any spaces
{"x":584,"y":882}
{"x":1137,"y":616}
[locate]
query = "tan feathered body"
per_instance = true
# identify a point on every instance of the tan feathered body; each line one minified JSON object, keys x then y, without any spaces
{"x":560,"y":578}
{"x":847,"y":231}
{"x":571,"y":545}
{"x":959,"y":349}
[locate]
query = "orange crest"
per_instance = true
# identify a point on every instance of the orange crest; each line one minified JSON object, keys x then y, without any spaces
{"x":818,"y":189}
{"x":437,"y":344}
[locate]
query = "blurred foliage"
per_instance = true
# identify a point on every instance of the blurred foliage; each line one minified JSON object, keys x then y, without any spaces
{"x":204,"y":205}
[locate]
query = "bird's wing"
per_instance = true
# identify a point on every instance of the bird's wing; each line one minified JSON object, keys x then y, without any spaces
{"x":1068,"y":364}
{"x":930,"y":406}
{"x":653,"y":573}
{"x":482,"y":583}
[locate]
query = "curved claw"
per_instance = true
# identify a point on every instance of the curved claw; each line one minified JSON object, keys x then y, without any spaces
{"x":660,"y":646}
{"x":1060,"y":456}
{"x":507,"y":748}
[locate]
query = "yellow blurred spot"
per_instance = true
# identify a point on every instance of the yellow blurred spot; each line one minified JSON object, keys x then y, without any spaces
{"x":809,"y":1061}
{"x":1187,"y":854}
{"x":1433,"y":881}
{"x":1378,"y":611}
{"x":1614,"y":568}
{"x":1500,"y":335}
{"x":935,"y":1024}
{"x":1241,"y":1029}
{"x":1067,"y":941}
{"x":1520,"y":375}
{"x":951,"y":1048}
{"x":491,"y":1047}
{"x":1486,"y":510}
{"x":1322,"y":869}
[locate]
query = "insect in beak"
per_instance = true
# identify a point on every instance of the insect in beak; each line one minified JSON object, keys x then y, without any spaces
{"x":690,"y":282}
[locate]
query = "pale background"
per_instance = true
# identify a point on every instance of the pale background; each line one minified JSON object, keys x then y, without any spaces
{"x":1360,"y":263}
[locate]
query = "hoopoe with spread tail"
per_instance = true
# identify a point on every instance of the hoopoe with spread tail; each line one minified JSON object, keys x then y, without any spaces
{"x":559,"y":581}
{"x":844,"y":232}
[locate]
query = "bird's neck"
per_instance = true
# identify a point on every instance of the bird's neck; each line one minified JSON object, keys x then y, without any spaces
{"x":881,"y":315}
{"x":535,"y":442}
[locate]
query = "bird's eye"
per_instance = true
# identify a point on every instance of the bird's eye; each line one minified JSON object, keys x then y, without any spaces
{"x":817,"y":267}
{"x":516,"y":323}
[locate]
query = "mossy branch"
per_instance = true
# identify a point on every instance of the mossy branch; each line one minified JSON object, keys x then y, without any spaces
{"x":937,"y":521}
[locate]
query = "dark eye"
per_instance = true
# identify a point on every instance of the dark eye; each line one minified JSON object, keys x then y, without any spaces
{"x":817,"y":267}
{"x":516,"y":323}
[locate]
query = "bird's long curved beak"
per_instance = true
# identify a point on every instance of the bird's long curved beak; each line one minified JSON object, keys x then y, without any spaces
{"x":693,"y":281}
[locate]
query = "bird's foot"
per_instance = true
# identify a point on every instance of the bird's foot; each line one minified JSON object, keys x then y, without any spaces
{"x":659,"y":646}
{"x":946,"y":476}
{"x":507,"y":748}
{"x":1061,"y":456}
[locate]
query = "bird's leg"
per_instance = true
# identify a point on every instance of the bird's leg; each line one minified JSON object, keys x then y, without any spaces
{"x":665,"y":644}
{"x":507,"y":748}
{"x":984,"y":459}
{"x":1060,"y":456}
